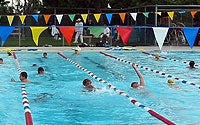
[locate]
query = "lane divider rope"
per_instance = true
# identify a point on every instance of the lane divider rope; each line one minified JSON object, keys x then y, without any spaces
{"x":25,"y":101}
{"x":185,"y":62}
{"x":155,"y":71}
{"x":131,"y":99}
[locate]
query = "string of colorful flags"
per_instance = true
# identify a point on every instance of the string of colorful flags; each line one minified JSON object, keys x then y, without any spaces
{"x":84,"y":16}
{"x":124,"y":32}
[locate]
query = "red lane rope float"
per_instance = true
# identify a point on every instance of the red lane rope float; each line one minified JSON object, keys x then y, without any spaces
{"x":155,"y":71}
{"x":185,"y":62}
{"x":25,"y":101}
{"x":131,"y":99}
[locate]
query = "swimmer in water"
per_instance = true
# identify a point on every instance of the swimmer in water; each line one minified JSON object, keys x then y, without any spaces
{"x":88,"y":85}
{"x":142,"y":82}
{"x":191,"y":65}
{"x":157,"y":57}
{"x":172,"y":84}
{"x":23,"y":77}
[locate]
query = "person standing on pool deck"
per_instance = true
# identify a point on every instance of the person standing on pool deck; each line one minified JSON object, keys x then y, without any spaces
{"x":142,"y":82}
{"x":79,"y":30}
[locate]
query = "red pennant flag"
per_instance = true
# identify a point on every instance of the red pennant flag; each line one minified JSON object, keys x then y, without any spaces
{"x":124,"y":33}
{"x":68,"y":33}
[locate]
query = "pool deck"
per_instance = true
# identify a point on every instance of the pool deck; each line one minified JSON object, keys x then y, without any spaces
{"x":145,"y":48}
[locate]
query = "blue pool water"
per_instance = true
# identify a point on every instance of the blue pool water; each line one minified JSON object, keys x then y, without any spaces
{"x":56,"y":97}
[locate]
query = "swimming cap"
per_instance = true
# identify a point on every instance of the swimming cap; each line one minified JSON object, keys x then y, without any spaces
{"x":9,"y":50}
{"x":77,"y":48}
{"x":170,"y":81}
{"x":157,"y":55}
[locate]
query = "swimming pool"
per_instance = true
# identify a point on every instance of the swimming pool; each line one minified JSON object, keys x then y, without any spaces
{"x":56,"y":97}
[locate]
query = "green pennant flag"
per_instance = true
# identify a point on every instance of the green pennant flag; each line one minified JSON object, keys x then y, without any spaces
{"x":146,"y":14}
{"x":71,"y":16}
{"x":96,"y":31}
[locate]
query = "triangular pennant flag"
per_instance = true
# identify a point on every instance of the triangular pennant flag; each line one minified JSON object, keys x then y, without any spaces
{"x":36,"y":31}
{"x":10,"y":19}
{"x":68,"y":33}
{"x":134,"y":15}
{"x":97,"y":17}
{"x":160,"y":34}
{"x":59,"y":18}
{"x":71,"y":16}
{"x":125,"y":33}
{"x":35,"y":16}
{"x":96,"y":31}
{"x":159,"y":13}
{"x":171,"y":15}
{"x":146,"y":14}
{"x":109,"y":6}
{"x":122,"y":16}
{"x":5,"y":32}
{"x":46,"y":17}
{"x":109,"y":17}
{"x":190,"y":34}
{"x":22,"y":18}
{"x":193,"y":13}
{"x":84,"y":16}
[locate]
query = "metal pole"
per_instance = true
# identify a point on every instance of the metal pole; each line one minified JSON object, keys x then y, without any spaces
{"x":145,"y":28}
{"x":156,"y":17}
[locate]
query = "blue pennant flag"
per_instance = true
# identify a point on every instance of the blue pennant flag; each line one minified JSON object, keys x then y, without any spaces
{"x":109,"y":17}
{"x":5,"y":32}
{"x":36,"y":16}
{"x":190,"y":34}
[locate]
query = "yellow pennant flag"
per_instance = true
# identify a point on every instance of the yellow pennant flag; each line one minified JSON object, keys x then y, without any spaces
{"x":171,"y":15}
{"x":10,"y":19}
{"x":36,"y":31}
{"x":84,"y":16}
{"x":193,"y":13}
{"x":97,"y":17}
{"x":46,"y":18}
{"x":122,"y":16}
{"x":22,"y":18}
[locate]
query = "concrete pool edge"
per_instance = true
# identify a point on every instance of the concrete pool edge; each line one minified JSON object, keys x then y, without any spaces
{"x":70,"y":48}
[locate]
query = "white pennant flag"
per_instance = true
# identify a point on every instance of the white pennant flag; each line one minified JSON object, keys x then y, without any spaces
{"x":109,"y":6}
{"x":59,"y":18}
{"x":160,"y":34}
{"x":134,"y":15}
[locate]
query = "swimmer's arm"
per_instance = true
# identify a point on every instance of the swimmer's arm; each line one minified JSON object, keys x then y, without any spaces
{"x":142,"y":82}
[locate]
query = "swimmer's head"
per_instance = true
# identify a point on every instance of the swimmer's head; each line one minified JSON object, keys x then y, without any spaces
{"x":170,"y":81}
{"x":134,"y":84}
{"x":87,"y":82}
{"x":191,"y":63}
{"x":157,"y":55}
{"x":34,"y":64}
{"x":9,"y":52}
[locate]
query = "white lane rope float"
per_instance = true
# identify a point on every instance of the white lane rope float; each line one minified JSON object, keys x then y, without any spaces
{"x":185,"y":62}
{"x":25,"y":101}
{"x":155,"y":71}
{"x":131,"y":99}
